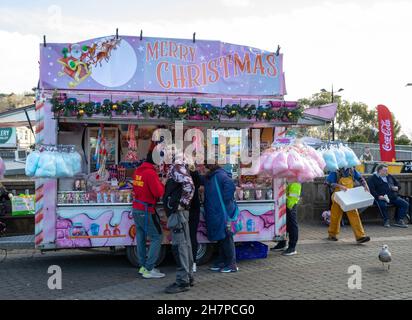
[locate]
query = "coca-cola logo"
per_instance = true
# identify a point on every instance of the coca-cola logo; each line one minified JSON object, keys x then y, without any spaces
{"x":386,"y":130}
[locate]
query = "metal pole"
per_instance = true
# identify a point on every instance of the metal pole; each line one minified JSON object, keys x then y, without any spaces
{"x":333,"y":121}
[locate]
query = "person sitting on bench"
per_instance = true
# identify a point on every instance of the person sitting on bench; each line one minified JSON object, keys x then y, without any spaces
{"x":385,"y":188}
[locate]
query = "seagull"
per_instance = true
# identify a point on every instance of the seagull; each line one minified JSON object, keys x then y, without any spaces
{"x":385,"y":256}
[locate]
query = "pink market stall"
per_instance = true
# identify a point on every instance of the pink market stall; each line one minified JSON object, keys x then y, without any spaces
{"x":99,"y":103}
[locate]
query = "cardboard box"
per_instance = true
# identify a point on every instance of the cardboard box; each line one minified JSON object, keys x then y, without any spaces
{"x":353,"y":199}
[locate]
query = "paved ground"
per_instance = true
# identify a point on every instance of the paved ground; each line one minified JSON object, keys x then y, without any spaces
{"x":319,"y":271}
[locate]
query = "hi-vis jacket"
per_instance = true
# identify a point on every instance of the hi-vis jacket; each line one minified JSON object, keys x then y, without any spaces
{"x":293,"y":193}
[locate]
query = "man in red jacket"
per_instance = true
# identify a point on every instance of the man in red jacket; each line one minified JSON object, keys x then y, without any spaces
{"x":147,"y":189}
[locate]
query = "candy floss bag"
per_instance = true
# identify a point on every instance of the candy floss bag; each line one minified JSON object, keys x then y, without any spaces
{"x":267,"y":162}
{"x":46,"y":166}
{"x":307,"y":174}
{"x":32,"y":163}
{"x":62,"y":169}
{"x":73,"y":161}
{"x":295,"y":162}
{"x":340,"y":158}
{"x":330,"y":160}
{"x":351,"y":158}
{"x":280,"y":164}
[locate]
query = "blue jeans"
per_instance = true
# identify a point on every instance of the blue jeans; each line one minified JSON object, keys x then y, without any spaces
{"x":153,"y":231}
{"x":401,"y":205}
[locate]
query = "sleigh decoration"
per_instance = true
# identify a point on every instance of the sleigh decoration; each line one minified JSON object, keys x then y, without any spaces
{"x":77,"y":61}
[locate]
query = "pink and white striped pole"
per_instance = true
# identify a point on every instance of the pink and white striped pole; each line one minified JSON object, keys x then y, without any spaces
{"x":279,"y":194}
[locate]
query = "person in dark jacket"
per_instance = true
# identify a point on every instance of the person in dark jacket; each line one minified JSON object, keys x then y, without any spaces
{"x":385,"y":188}
{"x":216,"y":220}
{"x":194,"y":214}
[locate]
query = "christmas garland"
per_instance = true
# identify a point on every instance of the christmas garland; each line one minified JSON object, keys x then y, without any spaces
{"x":190,"y":110}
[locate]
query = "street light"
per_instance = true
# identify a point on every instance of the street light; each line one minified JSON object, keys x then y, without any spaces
{"x":333,"y":100}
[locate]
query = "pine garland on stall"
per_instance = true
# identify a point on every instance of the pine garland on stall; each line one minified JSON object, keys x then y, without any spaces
{"x":190,"y":110}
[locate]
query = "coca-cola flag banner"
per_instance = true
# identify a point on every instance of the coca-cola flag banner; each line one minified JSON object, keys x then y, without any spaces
{"x":386,"y":134}
{"x":161,"y":65}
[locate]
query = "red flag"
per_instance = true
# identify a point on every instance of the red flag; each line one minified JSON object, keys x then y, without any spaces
{"x":386,"y":134}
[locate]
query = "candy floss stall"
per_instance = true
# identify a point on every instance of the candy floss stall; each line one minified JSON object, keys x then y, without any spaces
{"x":98,"y":104}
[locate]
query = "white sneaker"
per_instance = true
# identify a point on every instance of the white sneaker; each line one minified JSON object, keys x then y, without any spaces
{"x":154,"y":274}
{"x":194,"y":268}
{"x":142,"y":270}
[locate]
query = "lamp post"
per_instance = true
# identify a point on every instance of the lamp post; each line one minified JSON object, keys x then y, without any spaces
{"x":332,"y":100}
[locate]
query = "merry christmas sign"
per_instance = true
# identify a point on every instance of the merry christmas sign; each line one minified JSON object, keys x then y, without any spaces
{"x":161,"y":65}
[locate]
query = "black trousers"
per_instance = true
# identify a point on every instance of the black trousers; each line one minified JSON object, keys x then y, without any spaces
{"x":194,"y":219}
{"x":292,"y":227}
{"x":227,"y":252}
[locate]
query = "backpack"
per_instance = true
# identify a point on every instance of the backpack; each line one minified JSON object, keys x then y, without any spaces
{"x":172,"y":196}
{"x":234,"y":223}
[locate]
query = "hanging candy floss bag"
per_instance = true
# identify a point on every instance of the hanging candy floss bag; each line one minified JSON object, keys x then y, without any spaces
{"x":32,"y":163}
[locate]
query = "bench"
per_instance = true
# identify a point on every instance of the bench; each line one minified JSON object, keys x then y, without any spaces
{"x":372,"y":212}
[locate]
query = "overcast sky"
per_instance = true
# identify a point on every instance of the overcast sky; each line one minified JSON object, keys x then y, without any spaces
{"x":363,"y":46}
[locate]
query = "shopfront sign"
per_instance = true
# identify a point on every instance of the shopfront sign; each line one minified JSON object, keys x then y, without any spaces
{"x":8,"y":138}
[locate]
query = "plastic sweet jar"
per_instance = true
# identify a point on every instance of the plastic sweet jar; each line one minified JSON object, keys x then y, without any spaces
{"x":78,"y":230}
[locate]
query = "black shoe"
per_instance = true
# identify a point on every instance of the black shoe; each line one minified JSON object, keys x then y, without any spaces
{"x":363,"y":240}
{"x":192,"y":282}
{"x":281,"y":246}
{"x":176,"y":288}
{"x":289,"y":252}
{"x":400,"y":224}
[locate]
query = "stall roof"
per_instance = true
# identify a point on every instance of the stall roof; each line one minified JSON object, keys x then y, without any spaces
{"x":14,"y":167}
{"x":326,"y":112}
{"x":17,"y":117}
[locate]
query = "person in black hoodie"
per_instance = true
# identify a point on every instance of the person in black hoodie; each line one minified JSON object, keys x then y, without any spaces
{"x":385,"y":188}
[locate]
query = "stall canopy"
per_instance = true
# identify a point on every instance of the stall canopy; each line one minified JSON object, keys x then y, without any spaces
{"x":18,"y":117}
{"x":326,"y":112}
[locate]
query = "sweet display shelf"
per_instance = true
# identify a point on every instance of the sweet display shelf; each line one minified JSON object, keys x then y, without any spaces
{"x":109,"y":204}
{"x":130,"y":204}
